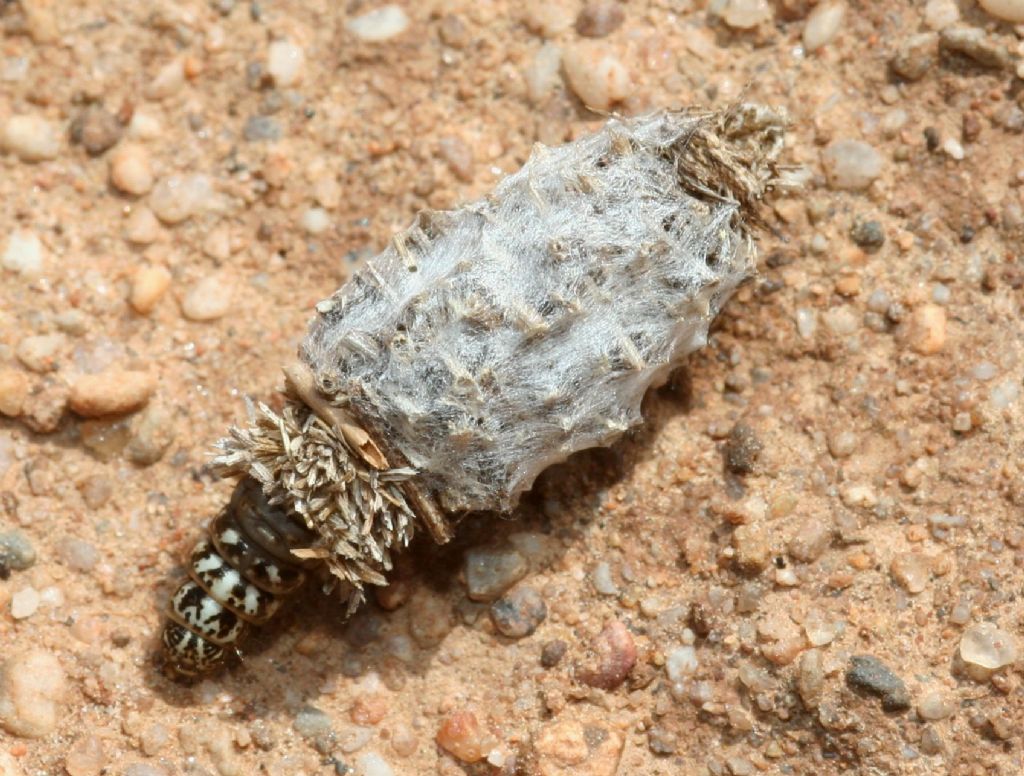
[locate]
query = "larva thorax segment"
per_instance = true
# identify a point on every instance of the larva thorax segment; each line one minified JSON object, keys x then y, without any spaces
{"x":237,"y":578}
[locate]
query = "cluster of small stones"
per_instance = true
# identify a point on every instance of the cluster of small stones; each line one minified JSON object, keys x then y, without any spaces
{"x":115,"y":357}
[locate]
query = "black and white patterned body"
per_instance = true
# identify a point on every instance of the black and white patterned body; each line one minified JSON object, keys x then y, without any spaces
{"x":237,"y":579}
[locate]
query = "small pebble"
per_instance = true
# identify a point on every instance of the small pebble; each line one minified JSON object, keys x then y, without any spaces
{"x":96,"y":129}
{"x":934,"y":705}
{"x":458,"y":156}
{"x":285,"y":63}
{"x":602,"y":579}
{"x":431,"y":618}
{"x":753,"y":548}
{"x":465,"y":737}
{"x":806,"y":322}
{"x":208,"y":299}
{"x":453,"y":31}
{"x":23,"y":253}
{"x":16,"y":551}
{"x":851,"y":165}
{"x":552,"y":652}
{"x":976,"y":44}
{"x":40,"y":352}
{"x":14,"y":386}
{"x":1004,"y":393}
{"x":939,"y":14}
{"x":596,"y":76}
{"x":662,"y":741}
{"x":599,"y":18}
{"x":85,"y":757}
{"x":32,"y":689}
{"x":179,"y":197}
{"x":154,"y":738}
{"x":130,"y":169}
{"x":742,"y":449}
{"x":141,"y":227}
{"x":842,"y":443}
{"x":25,"y":603}
{"x":259,"y":128}
{"x":810,"y":678}
{"x":148,"y":285}
{"x":114,"y":391}
{"x":823,"y":24}
{"x":1007,"y":10}
{"x":490,"y":572}
{"x":45,"y":406}
{"x":810,"y":539}
{"x":681,"y":663}
{"x":380,"y":24}
{"x":518,"y":613}
{"x":372,"y":764}
{"x":916,"y":56}
{"x":926,"y":333}
{"x":912,"y":571}
{"x":548,"y":19}
{"x":541,"y":74}
{"x":31,"y":138}
{"x":311,"y":722}
{"x":611,"y":657}
{"x":168,"y":80}
{"x":352,"y":738}
{"x":869,"y":235}
{"x":152,"y":432}
{"x":316,"y":220}
{"x":987,"y":647}
{"x":586,"y":747}
{"x":871,"y":675}
{"x":745,"y":14}
{"x":77,"y":554}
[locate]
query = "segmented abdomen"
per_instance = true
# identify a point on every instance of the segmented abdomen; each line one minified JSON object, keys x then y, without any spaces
{"x":237,"y":579}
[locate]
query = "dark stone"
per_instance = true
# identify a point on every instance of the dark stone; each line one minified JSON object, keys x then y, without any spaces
{"x":262,"y":128}
{"x":869,"y":235}
{"x":742,"y":449}
{"x":96,"y":129}
{"x":869,"y":674}
{"x":552,"y":653}
{"x":518,"y":613}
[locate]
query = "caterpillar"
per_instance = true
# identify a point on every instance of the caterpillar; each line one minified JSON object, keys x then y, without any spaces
{"x":480,"y":347}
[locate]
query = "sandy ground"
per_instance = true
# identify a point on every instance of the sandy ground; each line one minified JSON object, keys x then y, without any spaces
{"x":808,"y":561}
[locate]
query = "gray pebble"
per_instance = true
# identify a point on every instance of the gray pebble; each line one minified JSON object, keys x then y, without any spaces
{"x":262,"y":128}
{"x":518,"y":613}
{"x":310,"y":722}
{"x":96,"y":129}
{"x":742,"y":449}
{"x":975,"y":44}
{"x":16,"y":551}
{"x":490,"y":572}
{"x":552,"y":653}
{"x":916,"y":56}
{"x":871,"y":675}
{"x":152,"y":433}
{"x":78,"y":554}
{"x":662,"y":741}
{"x":869,"y":235}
